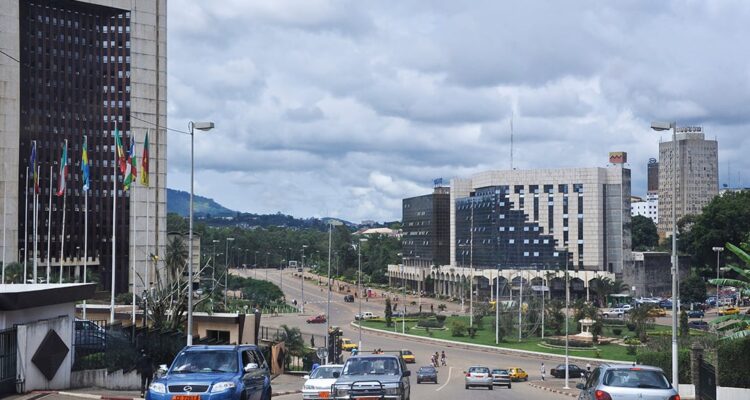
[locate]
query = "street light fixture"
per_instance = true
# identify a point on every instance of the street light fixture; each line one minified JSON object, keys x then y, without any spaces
{"x":302,"y":280}
{"x":718,"y":251}
{"x":567,"y":313}
{"x":192,"y":126}
{"x":331,"y":223}
{"x":665,"y":126}
{"x":359,"y":289}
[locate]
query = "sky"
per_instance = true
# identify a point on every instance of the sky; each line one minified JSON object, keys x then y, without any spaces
{"x":344,"y":108}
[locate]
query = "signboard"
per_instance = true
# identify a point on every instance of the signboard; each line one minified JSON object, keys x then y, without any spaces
{"x":618,"y":157}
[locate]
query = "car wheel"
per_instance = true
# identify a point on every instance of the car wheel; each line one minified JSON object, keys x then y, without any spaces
{"x":509,"y":386}
{"x":467,"y":387}
{"x":490,"y":387}
{"x":526,"y":379}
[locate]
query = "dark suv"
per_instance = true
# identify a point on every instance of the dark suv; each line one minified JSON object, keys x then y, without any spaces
{"x":215,"y":372}
{"x":373,"y":376}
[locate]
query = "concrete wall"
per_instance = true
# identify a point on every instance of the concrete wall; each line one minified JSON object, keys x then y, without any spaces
{"x":651,"y":273}
{"x":730,"y":393}
{"x":30,"y":337}
{"x":101,"y":379}
{"x":10,"y":318}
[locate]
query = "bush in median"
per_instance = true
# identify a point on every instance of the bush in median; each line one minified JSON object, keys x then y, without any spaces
{"x":458,"y":328}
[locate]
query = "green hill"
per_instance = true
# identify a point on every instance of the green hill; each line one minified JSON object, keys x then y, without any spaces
{"x":178,"y":202}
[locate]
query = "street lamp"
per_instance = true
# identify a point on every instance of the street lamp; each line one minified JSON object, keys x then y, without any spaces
{"x":213,"y":267}
{"x":302,"y":279}
{"x":359,"y":289}
{"x":331,"y":223}
{"x":567,"y":313}
{"x":718,"y":251}
{"x":192,"y":126}
{"x":226,"y":271}
{"x":665,"y":126}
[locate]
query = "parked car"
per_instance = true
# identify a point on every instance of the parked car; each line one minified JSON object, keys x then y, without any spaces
{"x":622,"y":381}
{"x":501,"y":377}
{"x":729,"y":311}
{"x":428,"y":373}
{"x":614,"y":313}
{"x":666,"y":304}
{"x":318,"y":383}
{"x":695,"y":314}
{"x":573,"y":371}
{"x":408,"y":357}
{"x":349,"y":298}
{"x":702,"y":325}
{"x":218,"y":372}
{"x":381,"y":376}
{"x":89,"y":336}
{"x":365,"y":316}
{"x":318,"y":319}
{"x":518,"y":374}
{"x":347,"y":344}
{"x":478,"y":376}
{"x":657,"y":312}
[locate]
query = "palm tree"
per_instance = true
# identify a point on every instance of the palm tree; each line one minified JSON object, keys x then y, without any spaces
{"x":738,"y":325}
{"x":293,"y":342}
{"x":176,"y":257}
{"x":605,"y":287}
{"x":14,"y":273}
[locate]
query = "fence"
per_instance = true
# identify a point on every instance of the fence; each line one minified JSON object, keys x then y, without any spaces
{"x":8,"y":354}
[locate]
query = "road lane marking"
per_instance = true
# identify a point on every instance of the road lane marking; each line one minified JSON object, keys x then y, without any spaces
{"x":450,"y":369}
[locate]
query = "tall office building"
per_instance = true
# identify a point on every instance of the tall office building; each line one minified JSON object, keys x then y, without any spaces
{"x":653,"y":176}
{"x":425,"y":235}
{"x":697,"y":174}
{"x":526,"y":219}
{"x":75,"y":69}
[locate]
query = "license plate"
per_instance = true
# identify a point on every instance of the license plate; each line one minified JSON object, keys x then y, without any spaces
{"x":368,"y":398}
{"x":185,"y":397}
{"x":324,"y":395}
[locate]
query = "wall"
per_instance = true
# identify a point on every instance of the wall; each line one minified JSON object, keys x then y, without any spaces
{"x":30,"y":337}
{"x":10,"y":318}
{"x":101,"y":379}
{"x":729,"y":393}
{"x":651,"y":273}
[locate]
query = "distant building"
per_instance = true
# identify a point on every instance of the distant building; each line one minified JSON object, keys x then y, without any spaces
{"x":651,"y":273}
{"x":697,"y":175}
{"x":653,"y":175}
{"x":426,"y":228}
{"x":378,"y":231}
{"x":726,"y":190}
{"x":648,"y":208}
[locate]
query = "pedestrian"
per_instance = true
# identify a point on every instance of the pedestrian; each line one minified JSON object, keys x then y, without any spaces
{"x":312,"y":341}
{"x":432,"y":308}
{"x":588,"y":367}
{"x":420,"y":309}
{"x":542,"y":370}
{"x":145,"y":367}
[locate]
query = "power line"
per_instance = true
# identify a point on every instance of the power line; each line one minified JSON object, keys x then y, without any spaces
{"x":10,"y":56}
{"x":151,"y":123}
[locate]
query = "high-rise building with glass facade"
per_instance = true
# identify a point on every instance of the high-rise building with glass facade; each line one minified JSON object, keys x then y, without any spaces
{"x":653,"y":176}
{"x":426,"y":228}
{"x":76,"y":69}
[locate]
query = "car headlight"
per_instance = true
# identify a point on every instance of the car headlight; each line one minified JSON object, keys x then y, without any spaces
{"x":341,"y":391}
{"x":393,"y":391}
{"x":157,"y":387}
{"x":222,"y":386}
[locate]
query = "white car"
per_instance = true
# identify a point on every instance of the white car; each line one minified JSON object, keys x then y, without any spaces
{"x":365,"y":316}
{"x":614,"y":313}
{"x":318,"y":383}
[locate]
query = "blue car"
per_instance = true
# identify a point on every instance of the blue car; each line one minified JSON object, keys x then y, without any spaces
{"x":215,"y":373}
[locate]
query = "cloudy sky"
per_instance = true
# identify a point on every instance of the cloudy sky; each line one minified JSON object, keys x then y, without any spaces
{"x":343,"y":108}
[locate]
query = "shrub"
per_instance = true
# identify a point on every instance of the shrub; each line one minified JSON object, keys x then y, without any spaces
{"x":734,"y":361}
{"x":632,"y":341}
{"x":458,"y":328}
{"x":472,"y":332}
{"x":571,"y":343}
{"x":663,"y":360}
{"x":441,"y":318}
{"x":612,"y":322}
{"x":442,"y":307}
{"x":617,"y":331}
{"x":630,"y":326}
{"x":632,"y":350}
{"x":429,"y":323}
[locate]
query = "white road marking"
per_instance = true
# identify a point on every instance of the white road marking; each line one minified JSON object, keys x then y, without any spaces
{"x":450,"y":369}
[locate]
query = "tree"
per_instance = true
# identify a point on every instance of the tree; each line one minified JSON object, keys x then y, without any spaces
{"x":684,"y":329}
{"x":555,"y":317}
{"x":388,"y":312}
{"x":641,"y":318}
{"x":605,"y":287}
{"x":176,"y":258}
{"x":693,"y":289}
{"x":726,"y":219}
{"x":14,"y":273}
{"x":293,"y":342}
{"x":643,"y":233}
{"x":737,"y":325}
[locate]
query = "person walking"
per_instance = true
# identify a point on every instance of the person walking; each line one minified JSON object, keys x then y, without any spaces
{"x":542,"y":370}
{"x":145,"y":368}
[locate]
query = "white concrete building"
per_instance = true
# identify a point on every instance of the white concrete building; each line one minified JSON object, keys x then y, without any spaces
{"x":648,"y":208}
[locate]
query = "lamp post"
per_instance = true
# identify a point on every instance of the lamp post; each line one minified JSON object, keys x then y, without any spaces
{"x":665,"y":126}
{"x":359,"y":288}
{"x":226,"y":271}
{"x":213,"y":266}
{"x":302,"y":279}
{"x":718,"y":251}
{"x":567,"y":312}
{"x":331,"y":223}
{"x":192,"y":126}
{"x":267,"y":254}
{"x":255,"y":266}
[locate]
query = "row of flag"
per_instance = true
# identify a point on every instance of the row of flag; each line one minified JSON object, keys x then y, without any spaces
{"x":127,"y":163}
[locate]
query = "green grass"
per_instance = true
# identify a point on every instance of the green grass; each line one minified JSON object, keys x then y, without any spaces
{"x":486,"y":336}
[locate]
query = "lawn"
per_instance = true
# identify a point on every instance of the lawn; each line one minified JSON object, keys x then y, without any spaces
{"x":486,"y":336}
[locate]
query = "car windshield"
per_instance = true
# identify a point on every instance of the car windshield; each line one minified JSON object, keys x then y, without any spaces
{"x":371,"y":366}
{"x":426,"y":369}
{"x":406,"y":352}
{"x":479,"y":370}
{"x":636,"y":378}
{"x":205,"y":361}
{"x":500,"y":371}
{"x":324,"y":373}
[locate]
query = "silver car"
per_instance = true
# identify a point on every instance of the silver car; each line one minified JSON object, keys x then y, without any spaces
{"x":478,"y":376}
{"x":627,"y":382}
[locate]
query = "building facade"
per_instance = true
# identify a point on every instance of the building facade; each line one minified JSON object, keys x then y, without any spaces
{"x":583,"y":210}
{"x":426,"y":228}
{"x":695,"y":174}
{"x":648,"y":207}
{"x":653,"y":176}
{"x":83,"y":69}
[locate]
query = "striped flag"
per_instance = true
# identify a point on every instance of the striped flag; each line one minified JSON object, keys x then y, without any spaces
{"x":120,"y":151}
{"x":129,"y":173}
{"x":85,"y":164}
{"x":144,"y":162}
{"x":63,"y":175}
{"x":33,"y":168}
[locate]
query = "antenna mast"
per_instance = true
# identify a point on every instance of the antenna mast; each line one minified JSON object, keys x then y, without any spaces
{"x":511,"y":141}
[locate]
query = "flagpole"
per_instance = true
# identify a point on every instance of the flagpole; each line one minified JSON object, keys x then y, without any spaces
{"x":114,"y":237}
{"x":36,"y":229}
{"x":85,"y":240}
{"x":49,"y":225}
{"x":5,"y":215}
{"x":135,"y":218}
{"x":26,"y":227}
{"x":64,"y":163}
{"x":147,"y":284}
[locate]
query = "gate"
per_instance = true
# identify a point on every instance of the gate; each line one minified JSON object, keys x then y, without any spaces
{"x":707,"y":381}
{"x":8,"y":352}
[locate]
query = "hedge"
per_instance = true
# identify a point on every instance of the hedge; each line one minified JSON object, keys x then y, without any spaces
{"x":734,"y":363}
{"x":571,"y":343}
{"x":663,"y":360}
{"x":429,"y":323}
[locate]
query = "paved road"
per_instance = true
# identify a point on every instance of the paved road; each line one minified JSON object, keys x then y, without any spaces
{"x":451,"y":384}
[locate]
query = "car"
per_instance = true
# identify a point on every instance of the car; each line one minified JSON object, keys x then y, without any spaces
{"x":657,"y":312}
{"x":349,"y":298}
{"x":624,"y":381}
{"x":695,"y":314}
{"x":318,"y":319}
{"x":729,"y":311}
{"x":318,"y":383}
{"x":380,"y":376}
{"x":408,"y":357}
{"x":573,"y":371}
{"x":216,"y":372}
{"x":428,"y":373}
{"x":365,"y":316}
{"x":299,"y":269}
{"x":700,"y":325}
{"x":478,"y":376}
{"x":501,"y":377}
{"x":348,"y":345}
{"x":518,"y":374}
{"x":614,"y":313}
{"x":666,"y":304}
{"x":89,"y":336}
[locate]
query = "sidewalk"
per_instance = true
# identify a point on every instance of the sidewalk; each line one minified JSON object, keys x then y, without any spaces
{"x":282,"y":385}
{"x":556,"y":385}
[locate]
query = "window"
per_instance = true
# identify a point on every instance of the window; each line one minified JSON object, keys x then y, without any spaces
{"x":536,"y":254}
{"x":511,"y":241}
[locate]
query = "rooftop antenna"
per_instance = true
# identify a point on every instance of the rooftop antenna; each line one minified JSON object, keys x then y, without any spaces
{"x":511,"y":140}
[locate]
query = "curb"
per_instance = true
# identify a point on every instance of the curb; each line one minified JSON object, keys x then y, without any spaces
{"x":552,"y":390}
{"x":499,"y":350}
{"x":274,"y":394}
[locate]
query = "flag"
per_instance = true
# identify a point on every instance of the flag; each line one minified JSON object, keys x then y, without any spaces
{"x":144,"y":162}
{"x":128,"y":174}
{"x":32,"y":167}
{"x":85,"y":164}
{"x":132,"y":158}
{"x":120,"y":151}
{"x":63,"y":175}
